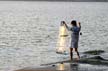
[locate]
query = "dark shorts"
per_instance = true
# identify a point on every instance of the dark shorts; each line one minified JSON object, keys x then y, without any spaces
{"x":74,"y":41}
{"x":74,"y":45}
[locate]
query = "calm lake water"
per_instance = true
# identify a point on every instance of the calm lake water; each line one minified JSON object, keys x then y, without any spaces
{"x":29,"y":30}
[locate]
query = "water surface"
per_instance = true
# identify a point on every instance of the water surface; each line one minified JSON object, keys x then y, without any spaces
{"x":29,"y":30}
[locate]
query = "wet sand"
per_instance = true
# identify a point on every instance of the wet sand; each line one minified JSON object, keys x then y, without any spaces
{"x":66,"y":67}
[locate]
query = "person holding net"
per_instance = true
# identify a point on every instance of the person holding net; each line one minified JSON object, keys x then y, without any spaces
{"x":75,"y":29}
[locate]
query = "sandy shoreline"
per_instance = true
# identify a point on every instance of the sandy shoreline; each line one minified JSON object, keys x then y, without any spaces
{"x":66,"y":65}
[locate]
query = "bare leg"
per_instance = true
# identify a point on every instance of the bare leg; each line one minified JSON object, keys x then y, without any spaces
{"x":76,"y":50}
{"x":71,"y":53}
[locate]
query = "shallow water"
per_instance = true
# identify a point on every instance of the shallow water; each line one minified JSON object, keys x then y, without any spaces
{"x":29,"y":30}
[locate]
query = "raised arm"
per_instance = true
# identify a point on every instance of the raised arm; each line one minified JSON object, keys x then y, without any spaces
{"x":79,"y":25}
{"x":65,"y":25}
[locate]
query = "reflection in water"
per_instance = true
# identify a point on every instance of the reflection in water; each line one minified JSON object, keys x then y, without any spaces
{"x":73,"y":67}
{"x":61,"y":66}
